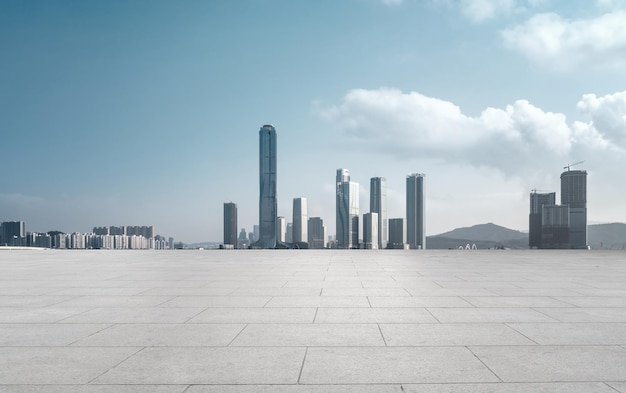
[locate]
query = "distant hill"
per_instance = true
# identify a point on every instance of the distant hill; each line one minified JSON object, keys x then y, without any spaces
{"x":485,"y":232}
{"x":607,"y":236}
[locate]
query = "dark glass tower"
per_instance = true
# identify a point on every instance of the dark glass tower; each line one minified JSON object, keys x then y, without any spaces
{"x":537,"y":201}
{"x":378,"y":204}
{"x":268,"y":205}
{"x":230,"y":224}
{"x":415,"y":235}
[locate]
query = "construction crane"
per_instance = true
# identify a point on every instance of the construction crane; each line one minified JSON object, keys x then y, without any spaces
{"x":570,"y":165}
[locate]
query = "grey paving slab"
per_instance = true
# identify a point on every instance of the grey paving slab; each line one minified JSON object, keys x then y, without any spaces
{"x":35,"y":365}
{"x":46,"y":335}
{"x":619,"y":386}
{"x":135,"y":315}
{"x":217,"y":301}
{"x":319,"y":301}
{"x":184,"y":291}
{"x":208,"y":366}
{"x":584,"y":314}
{"x":420,"y":291}
{"x":451,"y":334}
{"x":255,"y":315}
{"x":393,"y":365}
{"x":296,"y":389}
{"x":595,"y":301}
{"x":374,"y":315}
{"x":32,"y":301}
{"x":38,"y":315}
{"x":323,"y":284}
{"x":525,"y":292}
{"x":456,"y":315}
{"x":93,"y":389}
{"x":163,"y":335}
{"x":566,"y":387}
{"x":516,"y":301}
{"x":555,"y":363}
{"x":309,"y":335}
{"x":107,"y":291}
{"x":573,"y":333}
{"x":396,"y":292}
{"x":115,"y":301}
{"x":271,"y":291}
{"x":421,"y":301}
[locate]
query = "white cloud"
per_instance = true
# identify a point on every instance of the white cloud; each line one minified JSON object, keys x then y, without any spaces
{"x":481,"y":10}
{"x":555,"y":42}
{"x":519,"y":140}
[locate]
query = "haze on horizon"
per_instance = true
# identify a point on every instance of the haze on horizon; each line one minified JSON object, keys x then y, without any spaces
{"x":147,"y":113}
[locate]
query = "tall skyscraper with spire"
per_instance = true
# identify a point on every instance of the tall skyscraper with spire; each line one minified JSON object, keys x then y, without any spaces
{"x":268,"y":205}
{"x":347,"y":210}
{"x":378,"y":204}
{"x":415,"y":235}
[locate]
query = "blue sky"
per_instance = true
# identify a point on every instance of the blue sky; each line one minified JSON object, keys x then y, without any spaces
{"x":147,"y":112}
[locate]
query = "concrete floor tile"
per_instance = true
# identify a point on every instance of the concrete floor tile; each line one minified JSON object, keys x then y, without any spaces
{"x":468,"y":315}
{"x":186,"y":291}
{"x":41,"y":365}
{"x":396,"y":292}
{"x":555,"y":363}
{"x":92,"y":389}
{"x":573,"y":333}
{"x":393,"y":365}
{"x":420,"y":291}
{"x":208,"y":366}
{"x":319,"y":301}
{"x":374,"y":315}
{"x":296,"y":389}
{"x":163,"y":335}
{"x":217,"y":301}
{"x":515,"y":301}
{"x":619,"y":386}
{"x":567,"y":387}
{"x":451,"y":334}
{"x":32,"y":301}
{"x":586,"y":314}
{"x":135,"y":315}
{"x":45,"y":335}
{"x":38,"y":315}
{"x":595,"y":301}
{"x":271,"y":291}
{"x":115,"y":301}
{"x":309,"y":335}
{"x":422,"y":301}
{"x":255,"y":315}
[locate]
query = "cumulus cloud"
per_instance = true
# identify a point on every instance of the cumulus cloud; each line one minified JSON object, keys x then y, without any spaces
{"x":556,"y":42}
{"x":516,"y":140}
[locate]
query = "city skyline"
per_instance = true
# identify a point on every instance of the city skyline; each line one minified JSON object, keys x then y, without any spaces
{"x":128,"y":112}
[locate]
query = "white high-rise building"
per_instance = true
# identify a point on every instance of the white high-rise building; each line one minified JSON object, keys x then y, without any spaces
{"x":347,"y":210}
{"x":281,"y":229}
{"x":300,"y":220}
{"x":378,"y":204}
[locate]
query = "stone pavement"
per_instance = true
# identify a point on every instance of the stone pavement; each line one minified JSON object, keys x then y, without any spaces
{"x":312,"y":321}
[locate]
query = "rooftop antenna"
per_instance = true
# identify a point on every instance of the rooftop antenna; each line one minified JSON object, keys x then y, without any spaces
{"x":570,"y":165}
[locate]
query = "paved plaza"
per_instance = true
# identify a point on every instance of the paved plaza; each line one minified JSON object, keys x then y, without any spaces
{"x":318,"y":321}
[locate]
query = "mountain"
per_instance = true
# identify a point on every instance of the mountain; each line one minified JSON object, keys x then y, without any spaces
{"x":607,"y":236}
{"x":485,"y":232}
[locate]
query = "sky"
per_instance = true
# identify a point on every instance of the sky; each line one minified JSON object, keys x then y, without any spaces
{"x":147,"y":112}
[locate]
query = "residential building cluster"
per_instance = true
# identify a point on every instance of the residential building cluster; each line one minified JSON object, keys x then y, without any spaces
{"x":13,"y":234}
{"x":310,"y":232}
{"x":560,"y":226}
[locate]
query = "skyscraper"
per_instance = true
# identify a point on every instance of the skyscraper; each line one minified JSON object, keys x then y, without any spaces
{"x":267,"y":188}
{"x":300,"y":219}
{"x":13,"y":233}
{"x":370,"y":231}
{"x":316,"y":232}
{"x":396,"y":233}
{"x":537,"y":201}
{"x":347,"y":210}
{"x":415,"y":235}
{"x":378,"y":204}
{"x":230,"y":224}
{"x":281,"y":229}
{"x":574,"y":194}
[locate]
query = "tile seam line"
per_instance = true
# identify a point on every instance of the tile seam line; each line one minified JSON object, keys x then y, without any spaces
{"x":306,"y":351}
{"x":484,"y":364}
{"x":237,"y":335}
{"x":120,"y":362}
